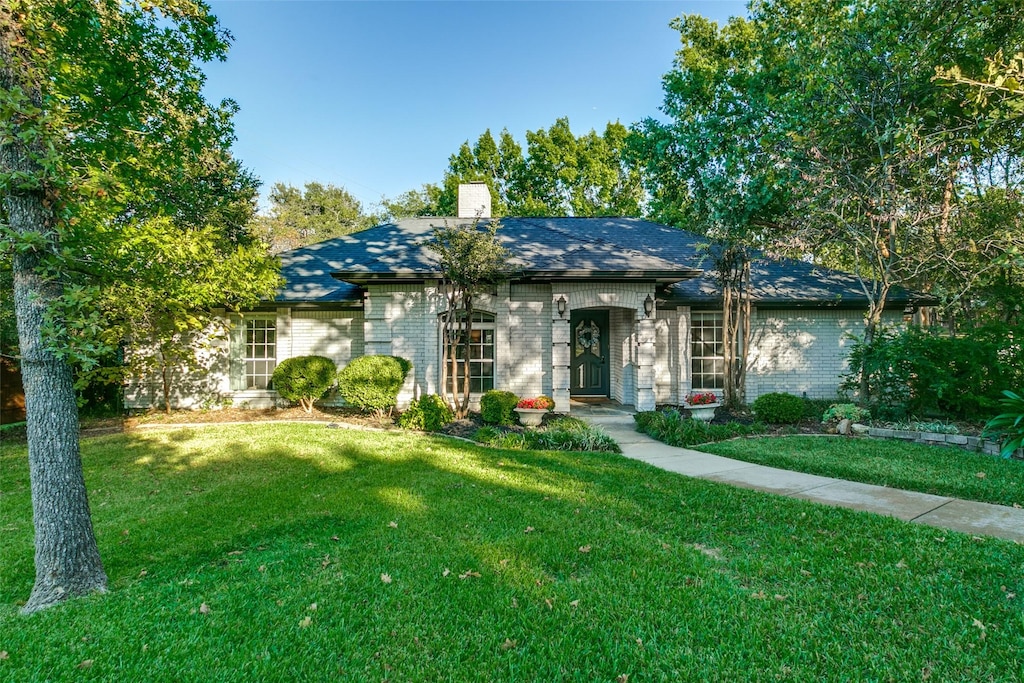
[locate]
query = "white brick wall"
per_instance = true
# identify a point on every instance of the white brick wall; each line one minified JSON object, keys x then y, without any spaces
{"x":798,"y":351}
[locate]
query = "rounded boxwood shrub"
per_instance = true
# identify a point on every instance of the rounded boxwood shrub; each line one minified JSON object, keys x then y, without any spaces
{"x":779,"y":408}
{"x":498,"y":407}
{"x":304,"y":379}
{"x":429,"y":414}
{"x":372,"y":383}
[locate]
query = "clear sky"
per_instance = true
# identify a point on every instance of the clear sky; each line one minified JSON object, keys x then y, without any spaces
{"x":375,"y":96}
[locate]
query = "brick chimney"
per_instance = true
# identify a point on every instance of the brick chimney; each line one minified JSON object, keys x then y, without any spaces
{"x":474,"y":200}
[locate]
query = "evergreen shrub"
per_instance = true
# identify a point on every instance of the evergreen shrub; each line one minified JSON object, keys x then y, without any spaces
{"x":779,"y":408}
{"x":372,"y":383}
{"x":429,"y":413}
{"x":498,"y":407}
{"x":304,"y":379}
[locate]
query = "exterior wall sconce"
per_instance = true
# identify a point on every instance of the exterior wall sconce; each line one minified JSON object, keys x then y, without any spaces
{"x":561,"y":306}
{"x":648,"y":306}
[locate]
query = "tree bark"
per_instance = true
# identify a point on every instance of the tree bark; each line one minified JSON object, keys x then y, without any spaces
{"x":67,"y":559}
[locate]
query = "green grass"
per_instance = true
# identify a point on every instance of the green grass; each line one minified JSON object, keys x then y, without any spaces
{"x":677,"y":579}
{"x":914,"y":467}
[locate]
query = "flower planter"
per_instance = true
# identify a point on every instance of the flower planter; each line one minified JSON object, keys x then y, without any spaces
{"x":531,"y":417}
{"x":704,"y":413}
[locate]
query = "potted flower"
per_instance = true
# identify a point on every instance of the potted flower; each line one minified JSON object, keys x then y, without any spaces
{"x":702,"y":405}
{"x":531,"y":410}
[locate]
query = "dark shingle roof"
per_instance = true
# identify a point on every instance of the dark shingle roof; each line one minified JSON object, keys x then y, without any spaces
{"x":553,"y":248}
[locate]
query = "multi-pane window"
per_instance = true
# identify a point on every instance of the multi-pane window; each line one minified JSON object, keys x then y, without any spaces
{"x":707,"y":351}
{"x":260,"y":353}
{"x":481,"y":353}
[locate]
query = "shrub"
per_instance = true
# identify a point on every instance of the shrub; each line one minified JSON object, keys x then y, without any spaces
{"x":778,"y":408}
{"x":304,"y":379}
{"x":372,"y":383}
{"x":845,"y":411}
{"x":571,"y":434}
{"x":670,"y":427}
{"x":498,"y":407}
{"x":1009,"y":426}
{"x":429,"y":413}
{"x":921,"y":372}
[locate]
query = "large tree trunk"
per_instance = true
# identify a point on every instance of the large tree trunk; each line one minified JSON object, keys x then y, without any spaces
{"x":66,"y":556}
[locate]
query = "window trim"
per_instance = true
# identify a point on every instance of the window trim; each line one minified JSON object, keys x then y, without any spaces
{"x":481,"y":324}
{"x":717,"y":376}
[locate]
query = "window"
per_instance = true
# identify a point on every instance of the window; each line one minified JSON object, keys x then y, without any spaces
{"x":260,"y":353}
{"x":481,"y":352}
{"x":707,"y":351}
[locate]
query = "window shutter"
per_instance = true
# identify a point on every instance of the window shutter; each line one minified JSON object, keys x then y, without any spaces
{"x":237,"y":354}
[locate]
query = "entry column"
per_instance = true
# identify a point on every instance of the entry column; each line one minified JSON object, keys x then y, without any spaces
{"x":560,"y":353}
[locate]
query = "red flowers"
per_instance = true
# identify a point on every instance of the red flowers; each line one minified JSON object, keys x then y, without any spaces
{"x":704,"y":399}
{"x":539,"y":403}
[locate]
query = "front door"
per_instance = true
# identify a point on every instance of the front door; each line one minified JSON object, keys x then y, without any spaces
{"x":590,"y":368}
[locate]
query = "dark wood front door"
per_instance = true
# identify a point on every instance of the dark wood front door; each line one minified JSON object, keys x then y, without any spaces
{"x":590,"y":369}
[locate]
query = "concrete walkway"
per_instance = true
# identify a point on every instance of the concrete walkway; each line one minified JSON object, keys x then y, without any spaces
{"x":922,"y":508}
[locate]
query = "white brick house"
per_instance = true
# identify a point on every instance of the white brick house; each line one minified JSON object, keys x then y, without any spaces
{"x":614,"y":307}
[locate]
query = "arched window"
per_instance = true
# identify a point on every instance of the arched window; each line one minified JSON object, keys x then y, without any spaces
{"x":481,"y":351}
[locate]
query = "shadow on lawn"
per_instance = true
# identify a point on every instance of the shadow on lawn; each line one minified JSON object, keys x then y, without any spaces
{"x":167,"y":502}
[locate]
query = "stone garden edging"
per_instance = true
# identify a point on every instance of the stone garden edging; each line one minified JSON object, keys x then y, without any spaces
{"x":969,"y":443}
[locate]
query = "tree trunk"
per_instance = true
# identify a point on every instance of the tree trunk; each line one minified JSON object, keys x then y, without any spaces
{"x":67,"y":559}
{"x":467,"y":342}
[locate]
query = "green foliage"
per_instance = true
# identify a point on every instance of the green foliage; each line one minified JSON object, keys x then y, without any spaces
{"x":372,"y":383}
{"x":779,"y":408}
{"x":559,"y":175}
{"x":299,"y":217}
{"x":304,"y":379}
{"x":915,"y":371}
{"x":1008,"y":426}
{"x":570,"y":434}
{"x":675,"y":429}
{"x":845,"y":411}
{"x":498,"y":407}
{"x":561,"y":434}
{"x":429,"y":414}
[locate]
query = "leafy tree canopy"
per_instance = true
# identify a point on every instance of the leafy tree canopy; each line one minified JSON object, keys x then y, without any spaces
{"x":317,"y":212}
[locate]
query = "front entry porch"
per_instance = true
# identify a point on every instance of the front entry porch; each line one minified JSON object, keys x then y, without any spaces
{"x":603,"y":343}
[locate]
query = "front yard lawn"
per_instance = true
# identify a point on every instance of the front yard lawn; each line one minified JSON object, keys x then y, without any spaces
{"x":298,"y":552}
{"x":914,"y":467}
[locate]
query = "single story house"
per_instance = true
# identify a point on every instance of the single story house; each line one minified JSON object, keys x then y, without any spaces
{"x":621,"y":308}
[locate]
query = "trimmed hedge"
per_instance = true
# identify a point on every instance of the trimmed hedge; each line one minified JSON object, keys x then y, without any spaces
{"x":778,"y":408}
{"x":372,"y":383}
{"x":304,"y":379}
{"x":498,"y":407}
{"x":675,"y":429}
{"x":428,"y":414}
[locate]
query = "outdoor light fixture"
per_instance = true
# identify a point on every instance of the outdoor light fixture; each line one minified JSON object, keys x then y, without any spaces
{"x":561,"y":306}
{"x":648,"y":306}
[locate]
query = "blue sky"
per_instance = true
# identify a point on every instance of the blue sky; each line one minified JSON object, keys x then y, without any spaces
{"x":375,"y":96}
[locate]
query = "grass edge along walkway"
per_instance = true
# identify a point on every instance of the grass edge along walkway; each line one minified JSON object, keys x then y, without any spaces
{"x":966,"y":516}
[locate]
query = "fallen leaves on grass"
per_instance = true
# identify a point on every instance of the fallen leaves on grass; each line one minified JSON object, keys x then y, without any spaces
{"x":509,"y":644}
{"x":575,"y":603}
{"x":4,"y":655}
{"x":312,"y":607}
{"x":469,"y":573}
{"x":528,"y":530}
{"x":980,"y":475}
{"x":204,"y":608}
{"x":622,"y":678}
{"x":85,"y":663}
{"x":393,"y":524}
{"x":386,"y":578}
{"x":981,"y":628}
{"x":446,"y":572}
{"x":585,"y":548}
{"x":305,"y":622}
